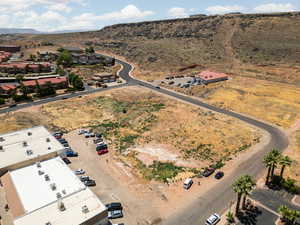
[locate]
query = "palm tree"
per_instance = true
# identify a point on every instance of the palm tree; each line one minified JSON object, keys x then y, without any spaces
{"x":284,"y":161}
{"x":243,"y":186}
{"x":271,"y":160}
{"x":238,"y":188}
{"x":289,"y":216}
{"x":248,"y":186}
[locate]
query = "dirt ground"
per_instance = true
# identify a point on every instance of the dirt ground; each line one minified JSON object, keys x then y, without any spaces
{"x":116,"y":182}
{"x":274,"y":102}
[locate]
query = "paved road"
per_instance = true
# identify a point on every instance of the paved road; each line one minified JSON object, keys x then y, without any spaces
{"x":218,"y":198}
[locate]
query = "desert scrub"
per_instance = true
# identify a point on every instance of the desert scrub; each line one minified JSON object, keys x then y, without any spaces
{"x":201,"y":152}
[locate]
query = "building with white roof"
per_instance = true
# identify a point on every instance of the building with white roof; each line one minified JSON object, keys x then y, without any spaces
{"x":49,"y":193}
{"x":24,"y":147}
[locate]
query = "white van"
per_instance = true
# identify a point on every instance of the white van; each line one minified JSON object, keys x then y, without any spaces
{"x":187,"y":183}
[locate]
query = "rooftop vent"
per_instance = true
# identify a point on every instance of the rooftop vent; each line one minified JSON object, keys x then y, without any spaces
{"x":61,"y":205}
{"x":29,"y":133}
{"x":49,"y":148}
{"x":58,"y":195}
{"x":2,"y":139}
{"x":47,"y":178}
{"x":85,"y":209}
{"x":25,"y":144}
{"x":1,"y":148}
{"x":38,"y":165}
{"x":53,"y":186}
{"x":48,"y":223}
{"x":47,"y":139}
{"x":29,"y":152}
{"x":41,"y":172}
{"x":64,"y":192}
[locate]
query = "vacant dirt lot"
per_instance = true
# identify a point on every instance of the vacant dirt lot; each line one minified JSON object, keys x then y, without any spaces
{"x":274,"y":102}
{"x":134,"y":120}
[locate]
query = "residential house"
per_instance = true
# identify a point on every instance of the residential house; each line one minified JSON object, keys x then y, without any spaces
{"x":47,"y":56}
{"x":7,"y":88}
{"x":207,"y":77}
{"x":104,"y":78}
{"x":57,"y":83}
{"x":24,"y":67}
{"x":4,"y":56}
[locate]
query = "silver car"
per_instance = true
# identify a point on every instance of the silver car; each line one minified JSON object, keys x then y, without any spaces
{"x":213,"y":219}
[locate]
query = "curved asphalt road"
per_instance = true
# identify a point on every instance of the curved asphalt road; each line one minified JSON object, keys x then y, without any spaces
{"x":218,"y":198}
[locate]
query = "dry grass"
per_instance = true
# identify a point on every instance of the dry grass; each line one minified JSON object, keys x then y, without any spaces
{"x":188,"y":131}
{"x":270,"y":101}
{"x":294,"y":171}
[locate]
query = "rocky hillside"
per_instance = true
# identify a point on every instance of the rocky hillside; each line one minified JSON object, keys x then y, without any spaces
{"x":264,"y":46}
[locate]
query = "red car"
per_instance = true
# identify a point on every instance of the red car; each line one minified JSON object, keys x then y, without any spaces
{"x":102,"y":151}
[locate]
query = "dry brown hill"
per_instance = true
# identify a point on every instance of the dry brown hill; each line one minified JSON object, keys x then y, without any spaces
{"x":263,"y":46}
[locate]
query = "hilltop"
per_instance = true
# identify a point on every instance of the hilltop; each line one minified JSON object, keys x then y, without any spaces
{"x":264,"y":46}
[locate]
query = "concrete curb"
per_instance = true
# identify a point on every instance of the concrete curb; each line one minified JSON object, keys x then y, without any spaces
{"x":294,"y":200}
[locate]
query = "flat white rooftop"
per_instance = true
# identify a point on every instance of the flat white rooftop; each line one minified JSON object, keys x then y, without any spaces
{"x":27,"y":144}
{"x":40,"y":200}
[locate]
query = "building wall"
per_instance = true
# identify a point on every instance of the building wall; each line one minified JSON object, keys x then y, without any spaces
{"x":11,"y":49}
{"x":28,"y":162}
{"x":100,"y":219}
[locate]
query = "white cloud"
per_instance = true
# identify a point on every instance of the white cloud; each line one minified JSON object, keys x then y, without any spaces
{"x":129,"y":12}
{"x":60,"y":7}
{"x":273,"y":7}
{"x":54,"y":19}
{"x":177,"y":12}
{"x":219,"y":9}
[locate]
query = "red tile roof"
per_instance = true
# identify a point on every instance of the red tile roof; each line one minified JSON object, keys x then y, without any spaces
{"x":56,"y":80}
{"x":7,"y":87}
{"x":209,"y":75}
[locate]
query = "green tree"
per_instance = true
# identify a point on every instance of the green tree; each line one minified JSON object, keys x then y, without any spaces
{"x":90,"y":50}
{"x":2,"y":101}
{"x":237,"y":187}
{"x":284,"y":162}
{"x":32,"y":57}
{"x":65,"y":59}
{"x":78,"y":84}
{"x":271,"y":161}
{"x":20,"y":78}
{"x":24,"y":90}
{"x":289,"y":216}
{"x":230,"y":217}
{"x":248,"y":186}
{"x":60,"y":71}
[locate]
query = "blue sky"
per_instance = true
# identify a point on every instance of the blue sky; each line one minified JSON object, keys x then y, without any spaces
{"x":50,"y":15}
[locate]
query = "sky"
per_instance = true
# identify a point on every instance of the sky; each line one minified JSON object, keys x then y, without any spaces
{"x":53,"y":15}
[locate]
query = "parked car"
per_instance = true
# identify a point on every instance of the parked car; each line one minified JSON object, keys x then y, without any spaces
{"x":62,"y":140}
{"x":187,"y":183}
{"x":98,"y":135}
{"x":92,"y":135}
{"x":71,"y":154}
{"x":114,"y":206}
{"x":208,"y":171}
{"x":115,"y":214}
{"x":80,"y":132}
{"x":66,"y":160}
{"x":158,"y":87}
{"x":12,"y":105}
{"x":79,"y":172}
{"x":98,"y":140}
{"x":101,"y":147}
{"x":58,"y":133}
{"x":87,"y":135}
{"x":84,"y":178}
{"x":171,"y":82}
{"x":89,"y":183}
{"x":213,"y":219}
{"x":66,"y":145}
{"x":219,"y":175}
{"x":102,"y":151}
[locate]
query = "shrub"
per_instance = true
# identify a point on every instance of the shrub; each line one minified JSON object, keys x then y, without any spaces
{"x":163,"y":171}
{"x":2,"y":101}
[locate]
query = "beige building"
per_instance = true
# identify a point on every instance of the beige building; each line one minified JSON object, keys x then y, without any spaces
{"x":49,"y":193}
{"x":24,"y":147}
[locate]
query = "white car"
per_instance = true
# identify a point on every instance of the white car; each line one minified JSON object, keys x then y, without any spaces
{"x":213,"y":219}
{"x":80,"y":132}
{"x":87,"y":135}
{"x":79,"y":172}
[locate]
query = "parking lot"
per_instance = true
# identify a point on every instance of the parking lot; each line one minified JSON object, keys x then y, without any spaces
{"x":108,"y":178}
{"x":182,"y":82}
